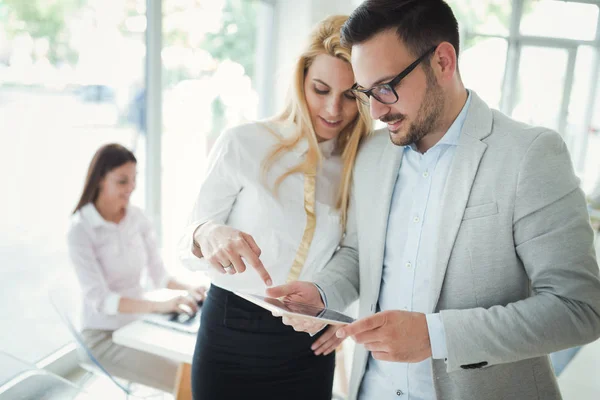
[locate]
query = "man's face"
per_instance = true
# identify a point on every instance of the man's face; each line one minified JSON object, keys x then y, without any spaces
{"x":420,"y":98}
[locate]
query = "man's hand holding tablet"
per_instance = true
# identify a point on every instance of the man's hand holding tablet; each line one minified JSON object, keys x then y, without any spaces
{"x":303,"y":307}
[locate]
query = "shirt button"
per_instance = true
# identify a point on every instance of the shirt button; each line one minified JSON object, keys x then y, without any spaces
{"x":417,"y":219}
{"x":399,"y":392}
{"x":408,"y":265}
{"x":425,"y":174}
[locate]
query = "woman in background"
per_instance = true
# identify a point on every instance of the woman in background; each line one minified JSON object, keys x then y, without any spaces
{"x":113,"y":249}
{"x":272,"y":209}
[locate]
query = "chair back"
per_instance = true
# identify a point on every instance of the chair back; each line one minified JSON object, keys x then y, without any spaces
{"x":68,"y":307}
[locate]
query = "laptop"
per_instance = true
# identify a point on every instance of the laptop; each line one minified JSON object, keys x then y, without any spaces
{"x":180,"y":322}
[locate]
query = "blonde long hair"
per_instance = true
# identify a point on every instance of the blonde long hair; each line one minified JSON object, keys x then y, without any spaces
{"x":324,"y":39}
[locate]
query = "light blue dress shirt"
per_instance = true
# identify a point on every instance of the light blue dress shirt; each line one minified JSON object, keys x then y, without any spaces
{"x":407,"y":264}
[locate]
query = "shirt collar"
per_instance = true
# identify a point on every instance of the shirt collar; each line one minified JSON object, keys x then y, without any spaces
{"x":91,"y":215}
{"x":327,"y":147}
{"x":452,"y":135}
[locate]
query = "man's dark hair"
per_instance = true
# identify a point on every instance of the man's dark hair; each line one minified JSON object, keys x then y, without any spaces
{"x":420,"y":24}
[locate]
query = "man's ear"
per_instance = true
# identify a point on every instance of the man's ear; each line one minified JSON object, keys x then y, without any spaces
{"x":444,"y":61}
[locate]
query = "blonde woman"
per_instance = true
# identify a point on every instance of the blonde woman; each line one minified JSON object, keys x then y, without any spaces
{"x":272,"y":209}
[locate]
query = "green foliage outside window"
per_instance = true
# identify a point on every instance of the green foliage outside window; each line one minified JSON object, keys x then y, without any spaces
{"x":42,"y":19}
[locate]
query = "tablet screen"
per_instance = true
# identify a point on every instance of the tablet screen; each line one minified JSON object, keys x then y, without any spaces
{"x":297,"y":308}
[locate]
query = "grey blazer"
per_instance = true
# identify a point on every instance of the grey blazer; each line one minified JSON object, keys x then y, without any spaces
{"x":515,"y":275}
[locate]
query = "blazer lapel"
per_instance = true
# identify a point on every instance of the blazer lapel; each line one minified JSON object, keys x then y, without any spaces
{"x":456,"y":192}
{"x":388,"y":171}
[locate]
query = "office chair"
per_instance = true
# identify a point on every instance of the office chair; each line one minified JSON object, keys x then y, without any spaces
{"x":64,"y":306}
{"x":20,"y":380}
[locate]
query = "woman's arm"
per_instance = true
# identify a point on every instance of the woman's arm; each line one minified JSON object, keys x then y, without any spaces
{"x":96,"y":291}
{"x":208,"y":241}
{"x":89,"y":273}
{"x":226,"y":247}
{"x":178,"y":304}
{"x":198,"y":292}
{"x":215,"y":199}
{"x":129,"y":305}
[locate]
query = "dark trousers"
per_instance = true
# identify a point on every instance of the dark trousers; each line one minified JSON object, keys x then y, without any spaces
{"x":243,"y":352}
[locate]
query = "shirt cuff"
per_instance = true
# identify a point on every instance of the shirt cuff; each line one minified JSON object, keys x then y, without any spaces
{"x":111,"y":304}
{"x":195,"y":249}
{"x":189,"y":255}
{"x":322,"y":294}
{"x":324,"y":299}
{"x":437,"y":336}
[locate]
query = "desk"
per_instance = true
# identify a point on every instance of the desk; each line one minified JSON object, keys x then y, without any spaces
{"x":164,"y":342}
{"x":179,"y":346}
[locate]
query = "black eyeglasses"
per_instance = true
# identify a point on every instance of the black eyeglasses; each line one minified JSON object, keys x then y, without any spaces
{"x":386,"y":93}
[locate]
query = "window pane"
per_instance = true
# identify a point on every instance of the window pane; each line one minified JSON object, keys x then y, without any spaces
{"x":540,"y":86}
{"x":69,"y":70}
{"x":581,"y":85}
{"x":592,"y":150}
{"x":559,"y":19}
{"x":482,"y":68}
{"x":482,"y":16}
{"x":595,"y":128}
{"x":576,"y":131}
{"x":208,"y":57}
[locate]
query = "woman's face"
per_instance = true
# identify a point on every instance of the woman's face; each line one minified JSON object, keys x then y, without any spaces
{"x":327,"y":87}
{"x":118,"y":184}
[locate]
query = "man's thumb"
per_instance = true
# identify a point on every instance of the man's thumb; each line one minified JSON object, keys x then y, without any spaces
{"x":280,"y":291}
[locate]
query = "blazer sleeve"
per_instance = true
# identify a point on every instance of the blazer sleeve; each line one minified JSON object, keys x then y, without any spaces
{"x":554,"y":241}
{"x":339,"y":280}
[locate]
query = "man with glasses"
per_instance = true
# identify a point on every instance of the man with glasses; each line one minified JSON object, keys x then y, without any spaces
{"x":468,"y":240}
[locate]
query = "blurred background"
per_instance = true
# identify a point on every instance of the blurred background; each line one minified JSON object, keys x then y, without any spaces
{"x":166,"y":77}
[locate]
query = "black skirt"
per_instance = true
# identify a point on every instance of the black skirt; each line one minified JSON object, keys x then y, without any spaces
{"x":243,"y":352}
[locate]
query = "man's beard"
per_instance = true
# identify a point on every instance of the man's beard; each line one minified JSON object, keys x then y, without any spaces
{"x":427,"y":117}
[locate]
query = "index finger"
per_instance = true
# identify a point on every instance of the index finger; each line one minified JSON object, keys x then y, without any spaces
{"x":252,"y":243}
{"x":255,"y":262}
{"x":362,"y":325}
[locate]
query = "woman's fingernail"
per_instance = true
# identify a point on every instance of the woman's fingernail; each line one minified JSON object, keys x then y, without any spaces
{"x":340,"y":333}
{"x":269,"y":282}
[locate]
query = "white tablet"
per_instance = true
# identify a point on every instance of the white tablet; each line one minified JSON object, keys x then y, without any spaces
{"x":294,"y":309}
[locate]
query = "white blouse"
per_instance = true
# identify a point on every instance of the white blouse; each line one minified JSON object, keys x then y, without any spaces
{"x":233,"y":193}
{"x":113,"y":261}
